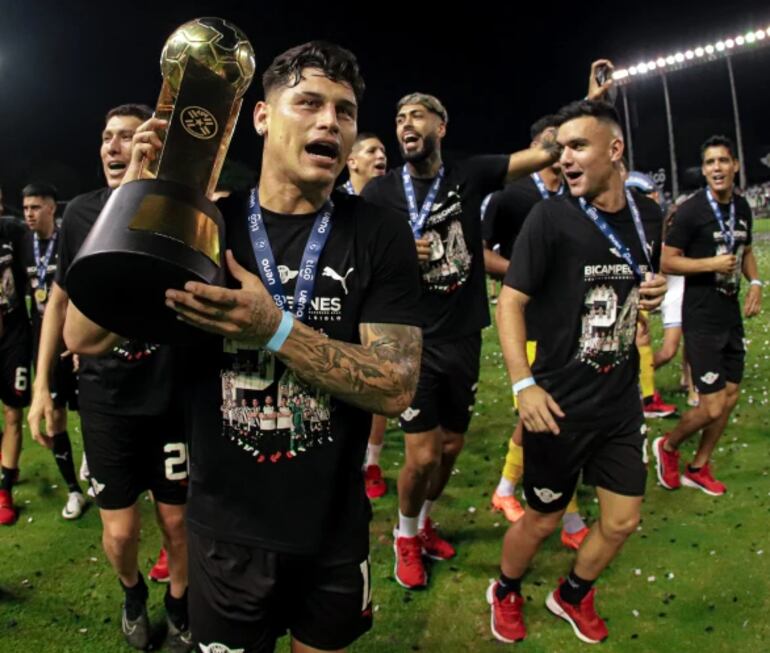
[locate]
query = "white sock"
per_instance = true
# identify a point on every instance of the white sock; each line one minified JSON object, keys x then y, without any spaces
{"x":424,"y":513}
{"x":373,"y":452}
{"x":407,"y":526}
{"x":505,"y":488}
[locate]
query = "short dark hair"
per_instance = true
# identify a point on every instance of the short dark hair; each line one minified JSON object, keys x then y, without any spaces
{"x":598,"y":109}
{"x":337,"y":63}
{"x":363,"y":136}
{"x":141,"y":111}
{"x":40,"y":189}
{"x":718,"y":140}
{"x":541,"y":124}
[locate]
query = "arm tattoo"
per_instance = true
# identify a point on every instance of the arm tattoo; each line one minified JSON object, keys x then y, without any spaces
{"x":379,"y":375}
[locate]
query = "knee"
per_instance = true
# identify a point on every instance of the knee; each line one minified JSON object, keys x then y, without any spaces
{"x":453,"y":446}
{"x":12,"y":417}
{"x":733,"y":394}
{"x":713,"y":407}
{"x":423,"y":461}
{"x":541,"y":525}
{"x":172,"y":523}
{"x":118,"y":537}
{"x":619,"y":527}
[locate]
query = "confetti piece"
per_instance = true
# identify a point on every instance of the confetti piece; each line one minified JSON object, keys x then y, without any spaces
{"x":637,"y":572}
{"x":650,"y":579}
{"x":635,"y":613}
{"x":472,"y":509}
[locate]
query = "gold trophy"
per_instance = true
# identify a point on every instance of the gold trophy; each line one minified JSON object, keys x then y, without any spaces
{"x":159,"y":233}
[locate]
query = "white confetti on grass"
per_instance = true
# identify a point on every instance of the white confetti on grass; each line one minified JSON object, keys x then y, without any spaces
{"x":650,"y":579}
{"x":635,"y":613}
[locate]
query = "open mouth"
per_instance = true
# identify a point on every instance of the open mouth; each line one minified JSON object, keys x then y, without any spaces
{"x":116,"y":166}
{"x":379,"y":166}
{"x":324,"y":150}
{"x":573,"y":175}
{"x":410,"y":138}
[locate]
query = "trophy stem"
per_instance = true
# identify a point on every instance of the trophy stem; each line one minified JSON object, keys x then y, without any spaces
{"x":219,"y":160}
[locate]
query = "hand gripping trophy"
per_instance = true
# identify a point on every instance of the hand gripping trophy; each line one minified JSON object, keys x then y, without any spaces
{"x":161,"y":232}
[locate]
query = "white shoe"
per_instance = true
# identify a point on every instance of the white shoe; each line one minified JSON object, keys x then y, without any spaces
{"x":84,"y":473}
{"x":74,"y":507}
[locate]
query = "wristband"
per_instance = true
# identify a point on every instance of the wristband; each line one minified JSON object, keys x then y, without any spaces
{"x":521,"y":385}
{"x":281,"y":333}
{"x":756,"y":282}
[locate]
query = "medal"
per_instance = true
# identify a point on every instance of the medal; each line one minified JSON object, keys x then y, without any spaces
{"x":41,"y":294}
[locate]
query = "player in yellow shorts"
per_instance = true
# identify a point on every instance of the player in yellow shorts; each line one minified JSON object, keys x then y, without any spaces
{"x":504,"y":500}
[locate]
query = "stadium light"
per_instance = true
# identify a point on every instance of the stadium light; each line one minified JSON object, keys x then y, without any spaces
{"x":691,"y":56}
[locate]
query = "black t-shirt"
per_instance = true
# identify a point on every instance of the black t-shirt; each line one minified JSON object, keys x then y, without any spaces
{"x":30,"y":265}
{"x":135,"y":378}
{"x":506,"y":212}
{"x":13,"y":282}
{"x":585,"y":298}
{"x":454,"y":302}
{"x":276,"y":463}
{"x":710,"y":300}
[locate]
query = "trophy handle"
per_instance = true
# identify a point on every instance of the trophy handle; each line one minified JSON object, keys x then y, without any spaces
{"x":219,"y":161}
{"x":164,"y":110}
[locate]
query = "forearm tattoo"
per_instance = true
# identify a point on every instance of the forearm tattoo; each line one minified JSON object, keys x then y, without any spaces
{"x":379,"y":375}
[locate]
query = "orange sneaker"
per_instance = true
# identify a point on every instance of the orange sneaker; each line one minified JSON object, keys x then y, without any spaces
{"x":509,"y":506}
{"x":574,"y":540}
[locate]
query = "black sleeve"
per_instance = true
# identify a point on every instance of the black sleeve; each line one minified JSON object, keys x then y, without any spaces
{"x":371,"y":192}
{"x":69,"y":244}
{"x":533,"y":252}
{"x":488,"y":218}
{"x":394,"y":290}
{"x":682,"y":229}
{"x":487,"y":172}
{"x":749,"y":220}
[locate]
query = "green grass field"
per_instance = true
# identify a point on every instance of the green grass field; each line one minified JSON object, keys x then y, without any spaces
{"x":694,"y":578}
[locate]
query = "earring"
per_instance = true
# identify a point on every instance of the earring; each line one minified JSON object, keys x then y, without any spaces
{"x":261,"y":131}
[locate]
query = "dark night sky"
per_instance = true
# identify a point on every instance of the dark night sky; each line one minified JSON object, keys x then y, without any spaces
{"x":497,"y":68}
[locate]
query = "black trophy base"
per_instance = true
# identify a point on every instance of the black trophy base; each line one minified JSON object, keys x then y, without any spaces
{"x":152,"y":235}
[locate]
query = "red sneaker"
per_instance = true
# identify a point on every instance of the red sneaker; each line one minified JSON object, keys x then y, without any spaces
{"x":704,"y":481}
{"x":507,"y":619}
{"x":374,"y":483}
{"x":8,"y":513}
{"x":667,"y":464}
{"x":433,"y":545}
{"x":409,"y":569}
{"x":574,"y":540}
{"x":655,"y":407}
{"x":509,"y":506}
{"x":588,"y":626}
{"x":159,"y":571}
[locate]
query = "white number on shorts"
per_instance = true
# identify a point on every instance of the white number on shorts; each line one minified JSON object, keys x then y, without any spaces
{"x":367,"y":593}
{"x":22,"y":378}
{"x":177,"y":459}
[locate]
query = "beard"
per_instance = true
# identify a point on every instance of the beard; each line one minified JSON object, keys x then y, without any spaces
{"x":429,"y":144}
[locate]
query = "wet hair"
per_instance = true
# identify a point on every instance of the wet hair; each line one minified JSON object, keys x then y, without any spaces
{"x":718,"y":141}
{"x":337,"y":63}
{"x":40,"y":189}
{"x":141,"y":111}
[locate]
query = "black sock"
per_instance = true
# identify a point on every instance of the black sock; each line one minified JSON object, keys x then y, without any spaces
{"x":136,"y":597}
{"x":507,"y":585}
{"x":693,"y":470}
{"x":7,"y":478}
{"x":574,"y":588}
{"x":176,"y":609}
{"x":62,"y":452}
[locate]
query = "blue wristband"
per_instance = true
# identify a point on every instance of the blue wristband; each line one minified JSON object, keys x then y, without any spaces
{"x":281,"y":333}
{"x":521,"y":385}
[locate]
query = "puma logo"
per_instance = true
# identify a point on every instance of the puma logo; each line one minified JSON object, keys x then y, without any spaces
{"x":328,"y":272}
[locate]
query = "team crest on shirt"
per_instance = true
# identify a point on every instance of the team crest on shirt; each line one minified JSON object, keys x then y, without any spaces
{"x":267,"y":411}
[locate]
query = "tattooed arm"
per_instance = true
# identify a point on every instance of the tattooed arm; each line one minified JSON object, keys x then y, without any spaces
{"x":379,"y":375}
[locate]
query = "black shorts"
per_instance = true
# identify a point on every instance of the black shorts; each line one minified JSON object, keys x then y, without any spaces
{"x":64,"y":384}
{"x":446,"y":391}
{"x":613,"y":457}
{"x":129,"y":454}
{"x":15,"y":366}
{"x":715,"y":359}
{"x":244,"y":598}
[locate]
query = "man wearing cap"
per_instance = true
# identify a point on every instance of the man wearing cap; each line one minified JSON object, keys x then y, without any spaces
{"x":441,"y":201}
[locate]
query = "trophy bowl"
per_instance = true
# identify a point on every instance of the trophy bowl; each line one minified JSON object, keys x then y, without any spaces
{"x":161,"y":231}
